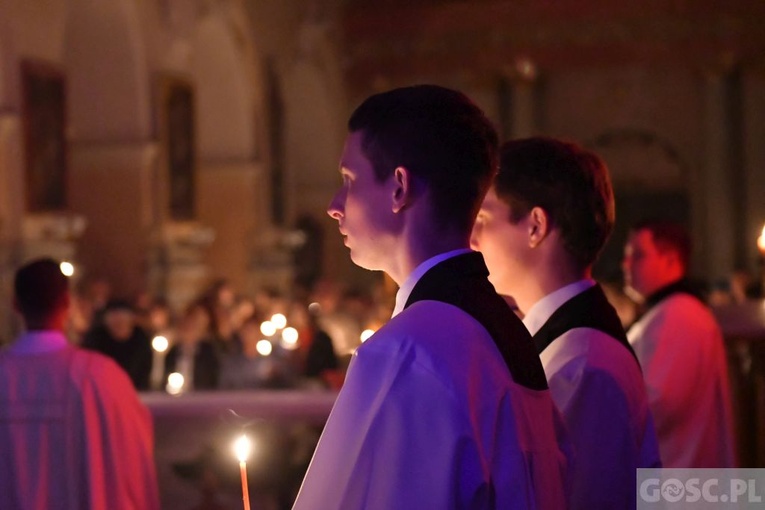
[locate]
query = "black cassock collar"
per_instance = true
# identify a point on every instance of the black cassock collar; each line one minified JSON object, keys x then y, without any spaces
{"x":588,"y":309}
{"x":462,"y":281}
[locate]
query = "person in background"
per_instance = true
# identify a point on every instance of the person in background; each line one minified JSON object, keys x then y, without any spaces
{"x":193,"y":354}
{"x":119,"y":337}
{"x":73,"y":433}
{"x":315,"y":353}
{"x":680,"y":347}
{"x":446,"y":405}
{"x":541,"y":228}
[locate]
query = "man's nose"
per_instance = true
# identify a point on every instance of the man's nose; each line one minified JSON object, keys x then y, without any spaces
{"x":474,"y":240}
{"x":334,"y":209}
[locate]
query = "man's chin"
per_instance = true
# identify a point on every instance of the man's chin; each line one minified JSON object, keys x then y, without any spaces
{"x":359,"y":260}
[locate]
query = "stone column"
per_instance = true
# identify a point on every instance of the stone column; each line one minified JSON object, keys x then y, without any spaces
{"x":117,"y":188}
{"x":719,"y":212}
{"x":521,"y":109}
{"x":11,"y":213}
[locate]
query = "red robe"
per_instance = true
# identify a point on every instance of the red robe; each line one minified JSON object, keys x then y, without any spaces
{"x":73,"y":434}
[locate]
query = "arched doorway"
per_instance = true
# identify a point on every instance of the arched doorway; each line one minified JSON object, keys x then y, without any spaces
{"x":649,"y":180}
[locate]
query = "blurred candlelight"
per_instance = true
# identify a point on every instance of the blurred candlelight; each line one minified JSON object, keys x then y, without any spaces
{"x":290,"y":338}
{"x":761,"y":242}
{"x":159,"y":343}
{"x":366,"y":334}
{"x":242,"y":450}
{"x":67,"y":268}
{"x":264,"y":347}
{"x":174,"y":383}
{"x":268,"y":328}
{"x":279,"y":320}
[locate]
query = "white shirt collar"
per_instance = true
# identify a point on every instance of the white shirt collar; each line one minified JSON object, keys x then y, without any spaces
{"x":38,"y":342}
{"x":545,"y":307}
{"x":406,"y":289}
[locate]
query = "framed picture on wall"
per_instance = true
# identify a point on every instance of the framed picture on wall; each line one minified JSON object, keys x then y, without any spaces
{"x":43,"y":89}
{"x":177,"y":136}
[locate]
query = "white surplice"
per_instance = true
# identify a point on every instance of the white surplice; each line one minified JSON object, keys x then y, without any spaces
{"x":680,"y":347}
{"x":599,"y":388}
{"x":429,"y":417}
{"x":73,"y":434}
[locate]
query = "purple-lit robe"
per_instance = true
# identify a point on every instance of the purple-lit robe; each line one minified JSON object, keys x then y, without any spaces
{"x":597,"y":385}
{"x":430,"y":417}
{"x":73,"y":434}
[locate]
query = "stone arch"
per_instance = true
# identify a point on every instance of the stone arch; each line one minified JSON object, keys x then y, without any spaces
{"x":109,"y":93}
{"x":650,"y":179}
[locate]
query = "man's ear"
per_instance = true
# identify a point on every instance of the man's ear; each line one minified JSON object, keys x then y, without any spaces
{"x":538,"y":226}
{"x":402,"y":188}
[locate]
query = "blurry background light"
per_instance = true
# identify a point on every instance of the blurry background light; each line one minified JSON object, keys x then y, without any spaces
{"x":366,"y":334}
{"x":264,"y":347}
{"x":175,"y":383}
{"x":160,"y":343}
{"x":67,"y":268}
{"x":279,"y":320}
{"x":290,"y":338}
{"x":268,"y":328}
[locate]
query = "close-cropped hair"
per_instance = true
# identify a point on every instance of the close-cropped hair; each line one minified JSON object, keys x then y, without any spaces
{"x":441,"y":137}
{"x":40,"y":288}
{"x":570,"y":183}
{"x":668,"y":236}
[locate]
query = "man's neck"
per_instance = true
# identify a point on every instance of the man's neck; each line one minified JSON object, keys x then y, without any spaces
{"x":546,"y":279}
{"x":426,"y":246}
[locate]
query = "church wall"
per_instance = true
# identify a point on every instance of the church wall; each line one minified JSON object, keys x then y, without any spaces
{"x":114,"y":57}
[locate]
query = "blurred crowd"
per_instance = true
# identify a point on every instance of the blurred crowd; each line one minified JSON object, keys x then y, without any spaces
{"x":228,"y":341}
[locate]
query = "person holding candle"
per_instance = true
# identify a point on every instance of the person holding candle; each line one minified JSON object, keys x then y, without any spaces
{"x":540,"y":228}
{"x":446,"y":405}
{"x":73,"y":433}
{"x":680,"y":346}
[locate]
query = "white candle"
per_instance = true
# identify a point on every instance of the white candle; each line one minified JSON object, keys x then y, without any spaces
{"x":242,"y":450}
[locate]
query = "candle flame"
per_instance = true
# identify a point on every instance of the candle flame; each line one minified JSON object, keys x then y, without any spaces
{"x":279,"y":320}
{"x":268,"y":328}
{"x":242,"y":448}
{"x":761,"y":241}
{"x":160,"y":343}
{"x":67,"y":268}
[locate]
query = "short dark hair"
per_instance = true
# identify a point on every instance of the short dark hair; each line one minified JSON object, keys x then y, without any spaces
{"x":569,"y":182}
{"x":668,"y":236}
{"x":40,"y":288}
{"x":440,"y":136}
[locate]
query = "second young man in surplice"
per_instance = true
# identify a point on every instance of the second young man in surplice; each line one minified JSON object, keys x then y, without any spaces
{"x":540,"y":229}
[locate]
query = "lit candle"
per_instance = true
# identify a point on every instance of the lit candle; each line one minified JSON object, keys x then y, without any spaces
{"x":242,"y":450}
{"x":761,"y":242}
